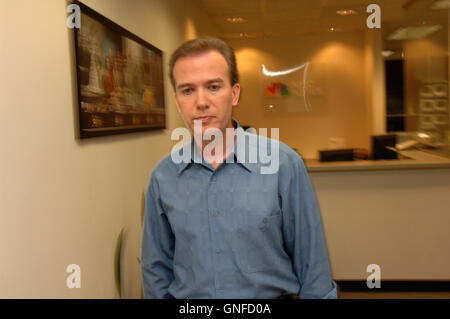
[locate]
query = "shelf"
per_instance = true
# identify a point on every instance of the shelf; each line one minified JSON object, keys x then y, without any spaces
{"x":401,"y":115}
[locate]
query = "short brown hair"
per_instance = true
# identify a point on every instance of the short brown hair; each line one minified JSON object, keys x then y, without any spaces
{"x":201,"y":45}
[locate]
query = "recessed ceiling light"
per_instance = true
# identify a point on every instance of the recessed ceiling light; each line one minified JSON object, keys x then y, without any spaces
{"x":387,"y":53}
{"x":440,"y":5}
{"x":237,"y":20}
{"x":405,"y":33}
{"x":331,"y":29}
{"x":346,"y":12}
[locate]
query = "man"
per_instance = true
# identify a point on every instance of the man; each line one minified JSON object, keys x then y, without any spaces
{"x":220,"y":227}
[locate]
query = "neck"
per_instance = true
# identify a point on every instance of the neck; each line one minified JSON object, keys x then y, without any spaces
{"x":214,"y":152}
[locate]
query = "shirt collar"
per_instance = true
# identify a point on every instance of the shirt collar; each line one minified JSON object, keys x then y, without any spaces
{"x":245,"y":149}
{"x":239,"y":154}
{"x":183,"y":165}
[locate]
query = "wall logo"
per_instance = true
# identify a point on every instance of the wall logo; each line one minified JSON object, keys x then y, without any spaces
{"x":276,"y":89}
{"x":74,"y":279}
{"x":73,"y":20}
{"x":373,"y":20}
{"x":374,"y":279}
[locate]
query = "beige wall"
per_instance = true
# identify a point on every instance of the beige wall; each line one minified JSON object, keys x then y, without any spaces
{"x":65,"y":201}
{"x":337,"y":66}
{"x":375,"y":83}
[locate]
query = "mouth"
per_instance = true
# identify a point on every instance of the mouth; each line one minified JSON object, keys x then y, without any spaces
{"x":204,"y":119}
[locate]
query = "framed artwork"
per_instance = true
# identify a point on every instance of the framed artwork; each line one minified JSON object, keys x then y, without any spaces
{"x":119,"y":76}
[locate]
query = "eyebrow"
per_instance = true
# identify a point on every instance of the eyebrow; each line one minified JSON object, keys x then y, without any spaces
{"x":216,"y":80}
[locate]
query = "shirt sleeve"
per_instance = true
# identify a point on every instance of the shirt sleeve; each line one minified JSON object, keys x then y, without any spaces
{"x":157,"y":246}
{"x":303,"y":233}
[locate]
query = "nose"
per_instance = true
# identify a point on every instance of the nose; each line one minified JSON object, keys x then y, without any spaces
{"x":202,"y":99}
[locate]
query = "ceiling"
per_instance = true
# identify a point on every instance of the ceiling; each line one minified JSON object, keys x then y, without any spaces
{"x":273,"y":18}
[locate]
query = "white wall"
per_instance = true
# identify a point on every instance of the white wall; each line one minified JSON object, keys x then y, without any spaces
{"x":63,"y":200}
{"x":397,"y":219}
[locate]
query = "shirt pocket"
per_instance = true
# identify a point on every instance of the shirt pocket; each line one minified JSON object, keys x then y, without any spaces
{"x":260,"y":242}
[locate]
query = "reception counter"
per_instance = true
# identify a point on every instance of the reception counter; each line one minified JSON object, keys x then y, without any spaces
{"x":393,"y":213}
{"x":411,"y":159}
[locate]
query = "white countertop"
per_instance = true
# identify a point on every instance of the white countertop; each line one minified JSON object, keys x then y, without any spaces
{"x":415,"y":159}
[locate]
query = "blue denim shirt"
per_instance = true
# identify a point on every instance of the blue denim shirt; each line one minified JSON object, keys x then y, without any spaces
{"x":233,"y":232}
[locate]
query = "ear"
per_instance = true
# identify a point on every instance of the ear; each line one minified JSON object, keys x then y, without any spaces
{"x":235,"y":94}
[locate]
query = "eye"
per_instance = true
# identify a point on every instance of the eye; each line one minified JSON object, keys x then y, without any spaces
{"x":187,"y":91}
{"x":214,"y":87}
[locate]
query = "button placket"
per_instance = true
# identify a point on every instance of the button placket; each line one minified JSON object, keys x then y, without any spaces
{"x":213,"y":222}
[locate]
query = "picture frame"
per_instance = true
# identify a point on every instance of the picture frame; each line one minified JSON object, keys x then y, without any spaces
{"x":120,"y":78}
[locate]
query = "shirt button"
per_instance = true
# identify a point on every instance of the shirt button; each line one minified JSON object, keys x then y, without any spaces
{"x":218,"y":251}
{"x":215,"y":214}
{"x":214,"y":178}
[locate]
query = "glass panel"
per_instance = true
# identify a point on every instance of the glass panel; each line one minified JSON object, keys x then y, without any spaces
{"x":327,"y":71}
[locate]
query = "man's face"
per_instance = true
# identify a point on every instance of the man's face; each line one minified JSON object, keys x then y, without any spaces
{"x":203,"y":90}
